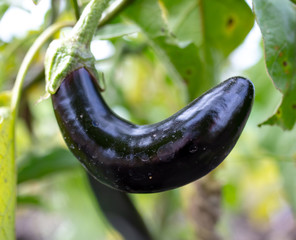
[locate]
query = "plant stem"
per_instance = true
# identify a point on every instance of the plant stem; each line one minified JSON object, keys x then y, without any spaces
{"x":84,"y":29}
{"x":17,"y":88}
{"x":112,"y":14}
{"x":105,"y":20}
{"x":76,"y":9}
{"x":54,"y":11}
{"x":7,"y":217}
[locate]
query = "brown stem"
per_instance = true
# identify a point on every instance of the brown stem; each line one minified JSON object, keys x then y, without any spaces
{"x":205,"y":208}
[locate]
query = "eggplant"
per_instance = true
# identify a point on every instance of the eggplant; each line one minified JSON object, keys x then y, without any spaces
{"x":157,"y":157}
{"x":120,"y":211}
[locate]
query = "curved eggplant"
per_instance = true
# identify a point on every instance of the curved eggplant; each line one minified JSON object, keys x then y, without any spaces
{"x":157,"y":157}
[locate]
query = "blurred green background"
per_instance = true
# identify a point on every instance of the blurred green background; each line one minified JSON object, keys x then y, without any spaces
{"x":156,"y":56}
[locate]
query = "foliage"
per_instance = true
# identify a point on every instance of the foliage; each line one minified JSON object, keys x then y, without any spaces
{"x":7,"y":173}
{"x":162,"y":54}
{"x":280,"y":51}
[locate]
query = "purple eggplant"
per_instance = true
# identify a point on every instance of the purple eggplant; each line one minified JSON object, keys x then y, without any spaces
{"x":157,"y":157}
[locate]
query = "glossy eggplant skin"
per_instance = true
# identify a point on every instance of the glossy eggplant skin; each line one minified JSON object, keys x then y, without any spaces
{"x":157,"y":157}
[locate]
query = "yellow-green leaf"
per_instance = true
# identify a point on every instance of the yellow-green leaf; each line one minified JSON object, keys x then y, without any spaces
{"x":7,"y":169}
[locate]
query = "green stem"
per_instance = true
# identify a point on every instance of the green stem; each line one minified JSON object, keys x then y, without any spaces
{"x":7,"y":217}
{"x":54,"y":11}
{"x":76,"y":9}
{"x":111,"y":15}
{"x":72,"y":52}
{"x":17,"y":88}
{"x":84,"y":29}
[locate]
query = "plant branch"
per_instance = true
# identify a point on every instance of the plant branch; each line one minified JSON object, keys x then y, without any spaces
{"x":54,"y":11}
{"x":114,"y":13}
{"x":76,"y":9}
{"x":17,"y":88}
{"x":84,"y":29}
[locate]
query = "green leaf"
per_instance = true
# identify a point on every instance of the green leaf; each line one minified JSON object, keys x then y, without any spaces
{"x":35,"y":166}
{"x":7,"y":169}
{"x":226,"y":23}
{"x":29,"y":200}
{"x":174,"y":55}
{"x":221,"y":25}
{"x":215,"y":27}
{"x":188,"y":64}
{"x":12,"y":55}
{"x":277,"y":21}
{"x":181,"y":33}
{"x":184,"y":20}
{"x":116,"y":30}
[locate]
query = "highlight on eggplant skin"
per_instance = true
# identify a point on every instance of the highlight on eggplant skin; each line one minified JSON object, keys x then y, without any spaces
{"x":157,"y":157}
